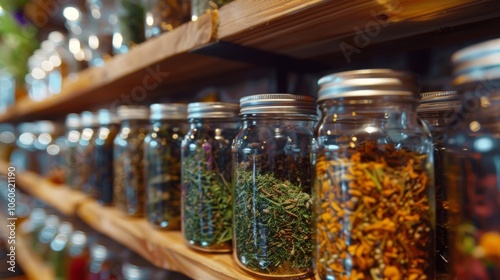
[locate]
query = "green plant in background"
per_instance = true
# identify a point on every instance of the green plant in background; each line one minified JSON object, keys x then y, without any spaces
{"x":17,"y":39}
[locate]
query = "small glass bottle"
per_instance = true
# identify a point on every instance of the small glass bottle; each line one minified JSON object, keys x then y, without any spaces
{"x":206,"y":176}
{"x":73,"y":129}
{"x":102,"y":177}
{"x":200,"y":7}
{"x":100,"y":34}
{"x":57,"y":254}
{"x":272,"y":179}
{"x":163,"y":16}
{"x":48,"y":151}
{"x":106,"y":257}
{"x":472,"y":164}
{"x":129,"y":27}
{"x":162,"y":155}
{"x":23,"y":157}
{"x":128,"y":152}
{"x":85,"y":149}
{"x":78,"y":255}
{"x":437,"y":109}
{"x":373,"y":191}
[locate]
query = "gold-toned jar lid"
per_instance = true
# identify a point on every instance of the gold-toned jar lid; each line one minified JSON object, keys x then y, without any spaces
{"x":369,"y":83}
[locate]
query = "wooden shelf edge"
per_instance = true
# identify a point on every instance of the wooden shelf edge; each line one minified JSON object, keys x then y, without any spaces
{"x":165,"y":249}
{"x":59,"y":197}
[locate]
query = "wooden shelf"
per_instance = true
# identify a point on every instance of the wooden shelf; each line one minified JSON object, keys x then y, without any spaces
{"x":59,"y":197}
{"x":165,"y":249}
{"x":33,"y":266}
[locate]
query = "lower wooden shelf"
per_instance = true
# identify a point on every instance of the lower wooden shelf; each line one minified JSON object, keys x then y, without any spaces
{"x":165,"y":249}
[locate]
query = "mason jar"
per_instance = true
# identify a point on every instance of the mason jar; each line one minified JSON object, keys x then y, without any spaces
{"x":374,"y":184}
{"x":162,"y":161}
{"x":128,"y":152}
{"x":128,"y":30}
{"x":102,"y":177}
{"x":472,"y":164}
{"x":73,"y":129}
{"x":272,"y":184}
{"x":85,"y":149}
{"x":206,"y":195}
{"x":163,"y":16}
{"x":438,"y":109}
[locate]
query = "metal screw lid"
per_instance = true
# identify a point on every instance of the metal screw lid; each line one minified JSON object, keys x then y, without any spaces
{"x":107,"y":117}
{"x":133,"y":112}
{"x":369,"y":83}
{"x":477,"y":62}
{"x":73,"y":121}
{"x":278,"y":103}
{"x":168,"y":111}
{"x":213,"y":110}
{"x":438,"y":101}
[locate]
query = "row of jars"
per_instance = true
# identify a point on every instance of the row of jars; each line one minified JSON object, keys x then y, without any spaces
{"x":277,"y":185}
{"x":77,"y":253}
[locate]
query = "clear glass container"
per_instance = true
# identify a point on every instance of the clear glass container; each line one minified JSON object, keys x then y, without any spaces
{"x":206,"y":176}
{"x":200,"y":7}
{"x":272,"y":179}
{"x":106,"y":257}
{"x":7,"y":141}
{"x":102,"y":177}
{"x":23,"y":158}
{"x":73,"y":129}
{"x":472,"y":164}
{"x":78,"y":255}
{"x":373,"y":191}
{"x":49,"y":151}
{"x":46,"y":235}
{"x":57,"y":255}
{"x":438,"y":109}
{"x":84,"y":151}
{"x":129,"y":27}
{"x":128,"y":152}
{"x":164,"y":15}
{"x":162,"y":155}
{"x":101,"y":21}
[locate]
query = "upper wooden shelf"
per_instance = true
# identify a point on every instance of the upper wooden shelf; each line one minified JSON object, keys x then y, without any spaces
{"x":315,"y":30}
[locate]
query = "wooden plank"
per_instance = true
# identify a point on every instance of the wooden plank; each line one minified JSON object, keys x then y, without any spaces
{"x":308,"y":29}
{"x":61,"y":197}
{"x":165,"y":249}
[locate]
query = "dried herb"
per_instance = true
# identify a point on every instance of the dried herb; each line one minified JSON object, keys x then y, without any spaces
{"x":207,"y":193}
{"x":130,"y":23}
{"x":119,"y":174}
{"x":163,"y":176}
{"x":166,"y":15}
{"x":373,"y":218}
{"x":272,"y":224}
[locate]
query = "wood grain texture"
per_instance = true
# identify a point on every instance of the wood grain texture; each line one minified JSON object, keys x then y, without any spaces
{"x":308,"y":29}
{"x":60,"y":197}
{"x":165,"y":249}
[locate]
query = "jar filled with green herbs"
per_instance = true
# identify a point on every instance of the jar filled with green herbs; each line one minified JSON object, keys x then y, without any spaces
{"x":206,"y":176}
{"x":73,"y":128}
{"x":200,"y":7}
{"x":102,"y":177}
{"x":129,"y":188}
{"x":373,"y":191}
{"x":164,"y":15}
{"x":162,"y":160}
{"x":272,"y":175}
{"x":129,"y":30}
{"x":85,"y":149}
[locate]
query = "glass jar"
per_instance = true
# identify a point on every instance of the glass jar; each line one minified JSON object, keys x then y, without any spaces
{"x":373,"y":189}
{"x":85,"y":149}
{"x":7,"y":141}
{"x":472,"y":164}
{"x":78,"y":256}
{"x":57,"y":254}
{"x":437,"y":109}
{"x":23,"y":158}
{"x":73,"y":128}
{"x":206,"y":176}
{"x":129,"y":29}
{"x":46,"y":235}
{"x":35,"y":224}
{"x":49,"y":151}
{"x":163,"y":16}
{"x":272,"y":179}
{"x":101,"y":21}
{"x":162,"y":155}
{"x":102,"y":177}
{"x":106,"y":257}
{"x":200,"y":7}
{"x":129,"y":189}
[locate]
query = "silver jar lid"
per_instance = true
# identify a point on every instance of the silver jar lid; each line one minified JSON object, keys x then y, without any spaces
{"x":168,"y":111}
{"x":436,"y":101}
{"x":477,"y":62}
{"x":89,"y":119}
{"x":369,"y":83}
{"x":133,"y":112}
{"x":134,"y":272}
{"x":278,"y":103}
{"x":213,"y":110}
{"x":107,"y":117}
{"x":73,"y":121}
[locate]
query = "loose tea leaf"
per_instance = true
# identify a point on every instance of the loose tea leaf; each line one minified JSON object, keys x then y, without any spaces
{"x":373,"y":217}
{"x":207,"y":192}
{"x":272,"y":224}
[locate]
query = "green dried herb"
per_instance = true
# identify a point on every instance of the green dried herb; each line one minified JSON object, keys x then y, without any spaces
{"x":272,"y":224}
